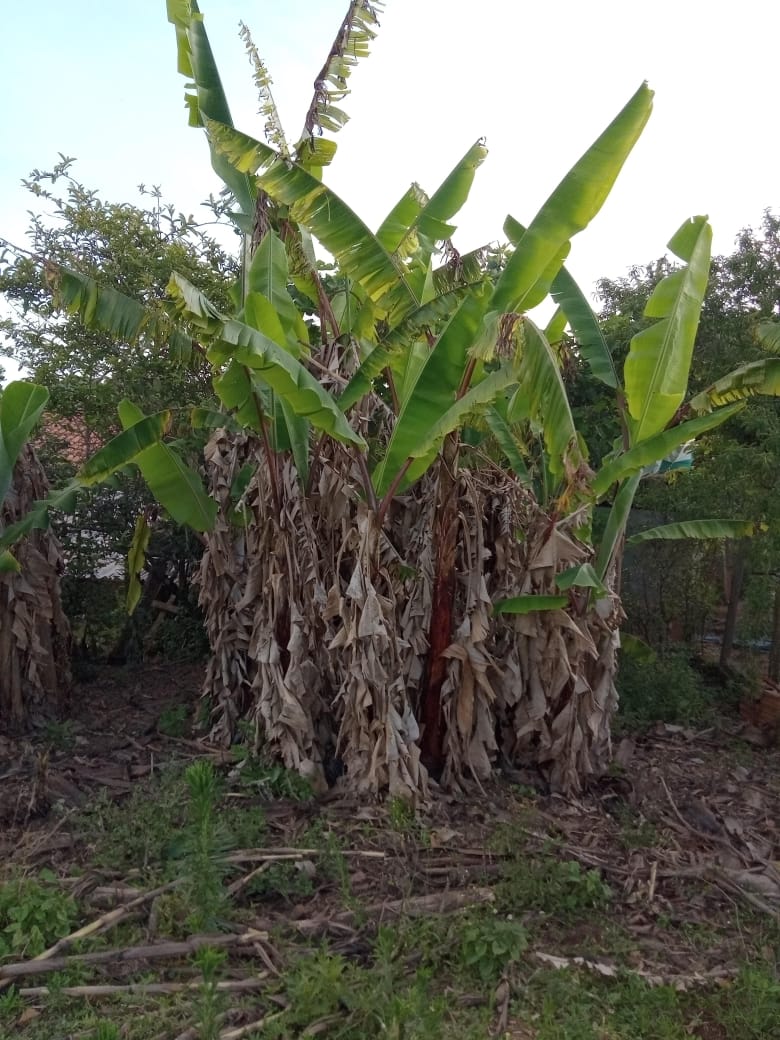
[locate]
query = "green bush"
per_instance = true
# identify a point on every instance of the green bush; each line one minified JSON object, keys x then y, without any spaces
{"x":668,"y":689}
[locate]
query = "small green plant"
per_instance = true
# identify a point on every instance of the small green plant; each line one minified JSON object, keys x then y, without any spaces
{"x":402,"y":815}
{"x":331,"y":862}
{"x":173,"y":721}
{"x":282,"y":880}
{"x":34,"y":913}
{"x":60,"y":735}
{"x":488,"y":946}
{"x":270,"y":779}
{"x":107,"y":1031}
{"x":205,"y":842}
{"x":10,"y":1004}
{"x":561,"y":890}
{"x":209,"y":961}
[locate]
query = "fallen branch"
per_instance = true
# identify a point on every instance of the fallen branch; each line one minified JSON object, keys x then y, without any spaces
{"x":280,"y":854}
{"x":250,"y":1027}
{"x":417,"y":906}
{"x":145,"y":988}
{"x":131,"y":953}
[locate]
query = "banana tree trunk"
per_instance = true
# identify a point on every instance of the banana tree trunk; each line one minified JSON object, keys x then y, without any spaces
{"x":34,"y":633}
{"x":323,"y":634}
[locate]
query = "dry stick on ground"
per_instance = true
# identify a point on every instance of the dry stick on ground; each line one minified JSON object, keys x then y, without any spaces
{"x":418,"y":906}
{"x":131,"y":953}
{"x":722,"y":882}
{"x":146,"y":988}
{"x":279,"y":854}
{"x":250,"y":1027}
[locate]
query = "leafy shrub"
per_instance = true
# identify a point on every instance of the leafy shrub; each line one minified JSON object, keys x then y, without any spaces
{"x":34,"y":913}
{"x":668,"y":690}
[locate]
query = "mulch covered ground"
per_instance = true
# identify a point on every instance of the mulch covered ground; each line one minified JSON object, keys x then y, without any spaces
{"x":684,"y":830}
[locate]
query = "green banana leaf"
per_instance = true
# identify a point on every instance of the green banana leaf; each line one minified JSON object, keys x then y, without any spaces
{"x":569,"y":209}
{"x":658,"y":447}
{"x":359,"y":253}
{"x":582,"y":576}
{"x":37,"y":519}
{"x":465,"y":269}
{"x":175,"y":485}
{"x":210,"y":419}
{"x":124,"y":318}
{"x":583,"y":322}
{"x":125,"y":448}
{"x":235,"y":389}
{"x":291,"y":431}
{"x":572,"y":205}
{"x":755,"y":379}
{"x":136,"y":561}
{"x":768,"y":335}
{"x":205,"y":98}
{"x":390,"y":351}
{"x":544,"y":396}
{"x":616,"y":525}
{"x":269,"y":275}
{"x":274,"y":365}
{"x":507,"y":442}
{"x":435,"y":389}
{"x":698,"y":529}
{"x":585,"y":328}
{"x":21,"y":406}
{"x":8,"y":563}
{"x":530,"y":604}
{"x":555,"y":329}
{"x":394,"y":229}
{"x":474,"y":401}
{"x":659,"y":358}
{"x":637,"y":649}
{"x":430,"y":224}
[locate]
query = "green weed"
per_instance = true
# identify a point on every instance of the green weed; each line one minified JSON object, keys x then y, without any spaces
{"x":173,"y":721}
{"x":206,"y":840}
{"x":488,"y":946}
{"x":210,"y":1001}
{"x":34,"y":913}
{"x":560,"y":889}
{"x":270,"y":779}
{"x":60,"y":735}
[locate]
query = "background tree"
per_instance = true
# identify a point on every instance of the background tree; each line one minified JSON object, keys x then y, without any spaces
{"x":88,"y":373}
{"x":736,"y":465}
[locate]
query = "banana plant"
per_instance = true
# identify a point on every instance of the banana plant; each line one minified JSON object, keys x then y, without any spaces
{"x":357,"y":540}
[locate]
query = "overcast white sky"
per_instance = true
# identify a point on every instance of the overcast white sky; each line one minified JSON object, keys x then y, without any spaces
{"x":96,"y":79}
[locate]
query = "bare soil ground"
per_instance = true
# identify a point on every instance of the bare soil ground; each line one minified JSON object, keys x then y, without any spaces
{"x":647,"y":907}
